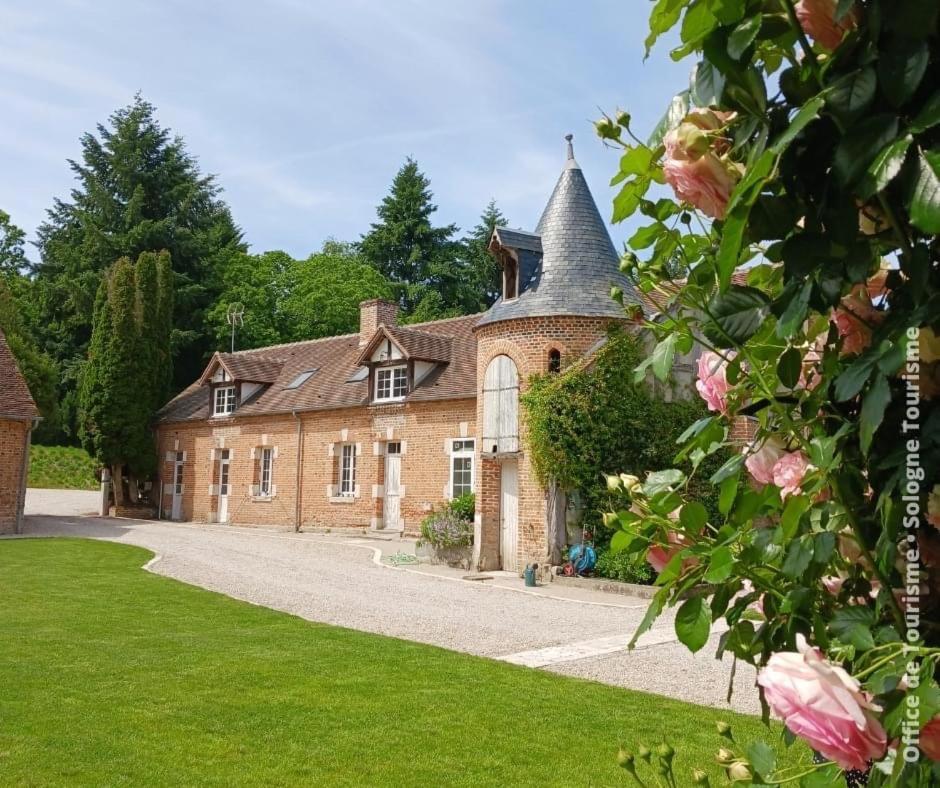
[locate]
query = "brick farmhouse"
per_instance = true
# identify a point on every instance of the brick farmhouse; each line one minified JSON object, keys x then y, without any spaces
{"x":18,"y":417}
{"x":375,"y":429}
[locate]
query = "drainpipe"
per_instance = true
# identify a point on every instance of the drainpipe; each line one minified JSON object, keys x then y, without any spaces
{"x":298,"y":489}
{"x":24,"y":478}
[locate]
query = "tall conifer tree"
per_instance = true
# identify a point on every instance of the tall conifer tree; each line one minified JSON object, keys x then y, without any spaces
{"x":483,"y":272}
{"x":407,"y":248}
{"x":138,"y":190}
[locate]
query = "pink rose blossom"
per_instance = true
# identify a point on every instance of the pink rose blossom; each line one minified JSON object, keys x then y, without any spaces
{"x":760,"y":462}
{"x":712,"y":383}
{"x":788,"y":472}
{"x":930,"y":739}
{"x":693,"y":166}
{"x":660,"y":555}
{"x":824,"y":706}
{"x":833,"y":584}
{"x":704,"y":182}
{"x":818,"y":19}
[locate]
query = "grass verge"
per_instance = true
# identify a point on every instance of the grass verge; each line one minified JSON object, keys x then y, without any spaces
{"x":112,"y":675}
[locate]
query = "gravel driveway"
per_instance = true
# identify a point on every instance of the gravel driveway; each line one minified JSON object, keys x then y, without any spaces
{"x":342,"y":580}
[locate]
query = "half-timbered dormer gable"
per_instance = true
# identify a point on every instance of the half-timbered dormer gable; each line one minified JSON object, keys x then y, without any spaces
{"x":233,"y":379}
{"x":399,"y":360}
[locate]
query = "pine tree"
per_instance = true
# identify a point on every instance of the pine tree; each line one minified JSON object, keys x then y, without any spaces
{"x":483,"y":272}
{"x":138,"y":190}
{"x":404,"y":246}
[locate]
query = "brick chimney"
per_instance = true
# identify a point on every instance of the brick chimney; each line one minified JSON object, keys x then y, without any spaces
{"x":374,"y":313}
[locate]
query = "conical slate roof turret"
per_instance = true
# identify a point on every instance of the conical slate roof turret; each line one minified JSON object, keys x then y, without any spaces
{"x":568,"y":266}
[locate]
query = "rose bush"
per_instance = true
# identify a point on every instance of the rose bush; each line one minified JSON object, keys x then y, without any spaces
{"x":808,"y":147}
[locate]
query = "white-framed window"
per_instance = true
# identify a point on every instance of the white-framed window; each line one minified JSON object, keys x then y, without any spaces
{"x":224,"y":402}
{"x":462,"y":451}
{"x":391,"y":383}
{"x":265,"y":472}
{"x":347,"y":469}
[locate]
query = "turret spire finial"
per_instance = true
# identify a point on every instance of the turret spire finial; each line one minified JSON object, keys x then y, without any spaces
{"x":570,"y":137}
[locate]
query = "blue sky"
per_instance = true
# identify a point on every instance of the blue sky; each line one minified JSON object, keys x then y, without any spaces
{"x":305,"y":109}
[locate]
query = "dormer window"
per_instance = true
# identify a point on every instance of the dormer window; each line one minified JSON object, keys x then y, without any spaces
{"x":510,"y":277}
{"x":391,"y":383}
{"x":224,"y":401}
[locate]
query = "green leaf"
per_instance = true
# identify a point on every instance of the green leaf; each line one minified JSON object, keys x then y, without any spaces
{"x":628,"y":199}
{"x":795,"y":313}
{"x":901,"y":69}
{"x":853,"y":379}
{"x":873,"y":411}
{"x":736,"y":315}
{"x":852,"y":625}
{"x":850,"y":96}
{"x":799,"y":555}
{"x":663,"y":355}
{"x":659,"y":481}
{"x":858,"y":147}
{"x":925,"y":198}
{"x":729,"y":491}
{"x":885,"y":167}
{"x":693,"y":623}
{"x":646,"y":236}
{"x":636,"y":160}
{"x":789,"y":367}
{"x":693,"y":516}
{"x":929,"y":115}
{"x":729,"y":252}
{"x":663,"y":17}
{"x":807,"y":114}
{"x":652,"y":613}
{"x":707,"y":85}
{"x":697,"y":23}
{"x":762,"y":758}
{"x":742,"y":36}
{"x":619,"y":541}
{"x":678,"y":108}
{"x":824,"y":545}
{"x":796,"y":507}
{"x":731,"y":467}
{"x":720,"y":565}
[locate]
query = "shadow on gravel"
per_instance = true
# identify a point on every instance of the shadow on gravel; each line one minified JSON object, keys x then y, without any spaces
{"x":93,"y":527}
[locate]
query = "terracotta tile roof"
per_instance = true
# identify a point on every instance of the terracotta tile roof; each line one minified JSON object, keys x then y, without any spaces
{"x":15,"y":399}
{"x":413,"y":343}
{"x":336,"y":360}
{"x":239,"y":366}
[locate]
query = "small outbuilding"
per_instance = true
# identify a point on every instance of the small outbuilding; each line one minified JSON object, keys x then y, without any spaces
{"x":18,"y":416}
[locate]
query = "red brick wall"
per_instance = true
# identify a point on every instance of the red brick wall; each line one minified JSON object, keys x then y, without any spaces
{"x":527,"y":342}
{"x":13,"y":444}
{"x":422,"y":428}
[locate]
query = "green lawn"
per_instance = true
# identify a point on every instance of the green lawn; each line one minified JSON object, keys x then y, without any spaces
{"x":110,"y":675}
{"x":61,"y":468}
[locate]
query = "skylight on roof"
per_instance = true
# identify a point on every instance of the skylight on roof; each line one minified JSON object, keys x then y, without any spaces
{"x":361,"y":373}
{"x":302,"y":378}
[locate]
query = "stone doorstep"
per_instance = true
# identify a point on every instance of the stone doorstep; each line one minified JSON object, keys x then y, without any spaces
{"x":606,"y":585}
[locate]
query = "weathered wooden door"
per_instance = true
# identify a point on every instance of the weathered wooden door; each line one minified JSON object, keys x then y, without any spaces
{"x":391,"y":509}
{"x":509,"y":515}
{"x":501,"y":406}
{"x":224,"y":484}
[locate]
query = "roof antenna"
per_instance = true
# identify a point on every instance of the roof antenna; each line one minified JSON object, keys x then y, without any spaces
{"x":235,"y":317}
{"x":570,"y":137}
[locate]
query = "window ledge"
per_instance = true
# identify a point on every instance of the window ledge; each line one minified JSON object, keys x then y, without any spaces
{"x":261,"y":498}
{"x":343,"y":498}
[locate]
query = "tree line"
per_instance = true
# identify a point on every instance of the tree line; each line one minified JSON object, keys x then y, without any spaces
{"x":144,"y":259}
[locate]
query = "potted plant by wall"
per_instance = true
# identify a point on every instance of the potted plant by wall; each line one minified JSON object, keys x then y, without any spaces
{"x":448,"y":531}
